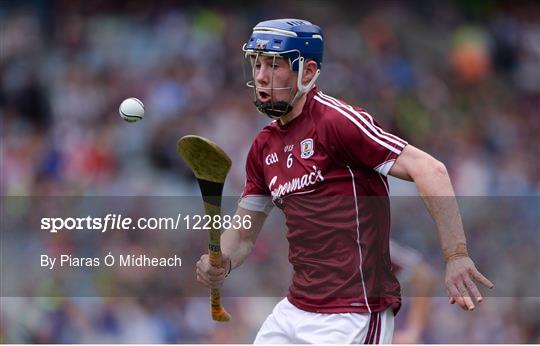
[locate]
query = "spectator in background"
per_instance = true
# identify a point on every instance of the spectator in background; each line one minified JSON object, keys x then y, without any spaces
{"x":420,"y":280}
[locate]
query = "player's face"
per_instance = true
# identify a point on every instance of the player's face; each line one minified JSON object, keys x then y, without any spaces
{"x":274,"y":80}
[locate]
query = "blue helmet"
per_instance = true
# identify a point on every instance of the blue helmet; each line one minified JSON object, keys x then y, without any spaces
{"x":293,"y":39}
{"x":290,"y":38}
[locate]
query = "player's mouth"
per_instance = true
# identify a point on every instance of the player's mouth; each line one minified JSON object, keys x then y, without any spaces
{"x":263,"y":96}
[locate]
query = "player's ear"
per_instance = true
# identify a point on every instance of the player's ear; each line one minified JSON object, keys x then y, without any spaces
{"x":310,"y":67}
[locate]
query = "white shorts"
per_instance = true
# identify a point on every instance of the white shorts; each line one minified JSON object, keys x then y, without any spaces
{"x":289,"y":325}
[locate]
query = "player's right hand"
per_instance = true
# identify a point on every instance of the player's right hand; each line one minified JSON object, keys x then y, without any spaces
{"x":210,"y":276}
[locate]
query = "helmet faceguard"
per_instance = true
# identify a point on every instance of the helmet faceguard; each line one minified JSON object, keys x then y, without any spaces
{"x":292,"y":39}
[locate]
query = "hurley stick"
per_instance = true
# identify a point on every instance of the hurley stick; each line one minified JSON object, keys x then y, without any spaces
{"x":210,"y":164}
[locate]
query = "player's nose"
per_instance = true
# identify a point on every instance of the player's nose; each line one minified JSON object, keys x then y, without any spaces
{"x":262,"y":76}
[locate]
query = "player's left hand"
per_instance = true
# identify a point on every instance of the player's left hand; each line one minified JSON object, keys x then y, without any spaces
{"x":461,"y":275}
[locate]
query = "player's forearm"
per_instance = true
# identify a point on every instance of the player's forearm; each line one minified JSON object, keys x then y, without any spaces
{"x":435,"y":187}
{"x":433,"y":183}
{"x":237,"y":245}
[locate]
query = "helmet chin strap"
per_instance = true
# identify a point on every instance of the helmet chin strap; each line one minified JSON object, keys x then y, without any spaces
{"x":301,"y":87}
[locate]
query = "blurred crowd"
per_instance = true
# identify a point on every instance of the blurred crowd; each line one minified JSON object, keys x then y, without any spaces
{"x":460,"y":80}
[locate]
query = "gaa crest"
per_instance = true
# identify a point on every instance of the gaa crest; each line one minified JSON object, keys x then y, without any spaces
{"x":306,"y":148}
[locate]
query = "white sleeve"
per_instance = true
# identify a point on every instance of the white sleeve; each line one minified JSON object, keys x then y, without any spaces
{"x":257,"y":203}
{"x":385,"y":167}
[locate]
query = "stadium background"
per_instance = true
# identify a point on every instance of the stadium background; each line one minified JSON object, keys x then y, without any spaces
{"x":458,"y":79}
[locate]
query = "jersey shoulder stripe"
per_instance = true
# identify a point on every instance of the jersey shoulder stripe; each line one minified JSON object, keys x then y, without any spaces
{"x":366,"y":119}
{"x":359,"y":123}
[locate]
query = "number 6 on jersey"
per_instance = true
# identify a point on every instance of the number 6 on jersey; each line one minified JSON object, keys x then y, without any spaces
{"x":289,"y":160}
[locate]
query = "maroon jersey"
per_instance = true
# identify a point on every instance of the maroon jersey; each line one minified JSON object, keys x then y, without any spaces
{"x":326,"y":170}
